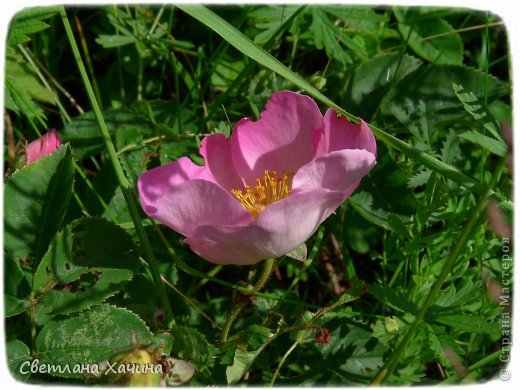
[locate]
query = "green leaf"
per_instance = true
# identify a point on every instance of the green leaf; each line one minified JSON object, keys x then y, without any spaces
{"x":477,"y":110}
{"x":326,"y":36}
{"x":450,"y":148}
{"x":372,"y":80}
{"x":87,"y":262}
{"x":109,"y":41}
{"x":180,"y":372}
{"x":27,"y":22}
{"x":16,"y":288}
{"x":431,"y":86}
{"x":384,"y":192}
{"x":299,"y":253}
{"x":241,"y":363}
{"x":83,"y":132}
{"x":26,"y":79}
{"x":17,"y":354}
{"x":491,"y":144}
{"x":18,"y":100}
{"x":137,"y":154}
{"x":470,"y":323}
{"x":192,"y":346}
{"x":38,"y":196}
{"x":351,"y":350}
{"x":269,"y":19}
{"x":91,"y":337}
{"x":430,"y":37}
{"x":393,"y":298}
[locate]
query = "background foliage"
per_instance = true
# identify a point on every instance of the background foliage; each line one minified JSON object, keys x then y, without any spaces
{"x":77,"y":288}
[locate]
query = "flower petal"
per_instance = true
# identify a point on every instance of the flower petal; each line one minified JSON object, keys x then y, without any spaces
{"x":280,"y":140}
{"x":153,"y":184}
{"x":186,"y":206}
{"x":283,"y":226}
{"x":216,"y":150}
{"x":339,"y":133}
{"x":43,"y":146}
{"x":336,"y":171}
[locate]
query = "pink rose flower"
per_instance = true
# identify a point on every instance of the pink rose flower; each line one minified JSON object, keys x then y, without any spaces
{"x":42,"y":146}
{"x":264,"y":191}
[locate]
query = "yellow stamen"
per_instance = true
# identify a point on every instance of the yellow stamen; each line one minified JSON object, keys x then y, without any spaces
{"x":268,"y":189}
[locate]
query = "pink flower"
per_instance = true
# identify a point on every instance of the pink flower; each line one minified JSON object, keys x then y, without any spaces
{"x":265,"y":190}
{"x":42,"y":146}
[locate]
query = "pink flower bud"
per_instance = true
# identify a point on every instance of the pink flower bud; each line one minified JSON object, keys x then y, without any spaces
{"x":43,"y":146}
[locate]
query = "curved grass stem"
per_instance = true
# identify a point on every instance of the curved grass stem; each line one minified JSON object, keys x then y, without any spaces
{"x":284,"y":358}
{"x":122,"y":180}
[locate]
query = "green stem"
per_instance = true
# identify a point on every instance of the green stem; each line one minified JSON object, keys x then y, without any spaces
{"x":123,"y":181}
{"x":284,"y":358}
{"x":481,"y":363}
{"x":237,"y":307}
{"x":388,"y":368}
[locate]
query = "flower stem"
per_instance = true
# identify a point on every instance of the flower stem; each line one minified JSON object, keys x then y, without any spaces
{"x":284,"y":358}
{"x":123,"y":181}
{"x":237,"y":307}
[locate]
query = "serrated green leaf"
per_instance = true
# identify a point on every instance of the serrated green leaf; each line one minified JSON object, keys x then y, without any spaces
{"x":18,"y":100}
{"x":450,"y":148}
{"x":419,"y":179}
{"x":384,"y":192}
{"x":393,"y":298}
{"x":86,"y":263}
{"x":27,"y":80}
{"x":469,"y":323}
{"x":326,"y":36}
{"x":27,"y":22}
{"x":38,"y":196}
{"x":351,"y":350}
{"x":477,"y":110}
{"x":491,"y":144}
{"x":431,"y":37}
{"x":192,"y":346}
{"x":91,"y":337}
{"x":432,"y":85}
{"x":269,"y":19}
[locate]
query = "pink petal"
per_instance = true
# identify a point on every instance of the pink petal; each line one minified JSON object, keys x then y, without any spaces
{"x":186,"y":206}
{"x":280,"y":140}
{"x":282,"y":227}
{"x":339,"y":133}
{"x":216,"y":150}
{"x":153,"y":184}
{"x":43,"y":146}
{"x":336,"y":171}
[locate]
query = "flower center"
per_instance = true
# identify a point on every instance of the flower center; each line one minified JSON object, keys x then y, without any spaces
{"x":269,"y":189}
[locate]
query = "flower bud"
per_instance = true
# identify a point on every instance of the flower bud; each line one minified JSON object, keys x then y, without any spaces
{"x":42,"y":146}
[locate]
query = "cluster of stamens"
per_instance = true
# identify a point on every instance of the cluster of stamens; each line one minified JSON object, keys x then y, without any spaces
{"x":269,"y":189}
